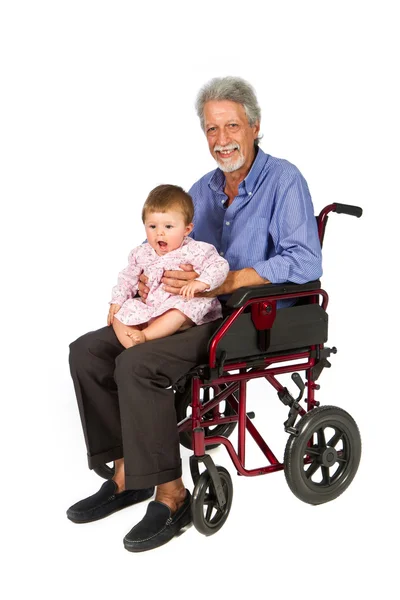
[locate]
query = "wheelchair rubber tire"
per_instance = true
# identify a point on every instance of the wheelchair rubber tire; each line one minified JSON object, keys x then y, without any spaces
{"x":322,"y":457}
{"x":204,"y":495}
{"x":104,"y":471}
{"x":182,"y":403}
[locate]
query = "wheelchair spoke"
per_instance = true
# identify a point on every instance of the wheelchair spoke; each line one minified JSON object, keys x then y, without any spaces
{"x":321,"y":438}
{"x":209,"y":511}
{"x":326,"y":479}
{"x":335,"y":439}
{"x":312,"y":450}
{"x":312,"y":469}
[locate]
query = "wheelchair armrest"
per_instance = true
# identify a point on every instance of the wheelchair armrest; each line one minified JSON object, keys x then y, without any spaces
{"x":243,"y":294}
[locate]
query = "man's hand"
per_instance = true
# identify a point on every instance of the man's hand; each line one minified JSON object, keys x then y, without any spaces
{"x":114,"y":308}
{"x":189,"y":290}
{"x":143,"y":290}
{"x":235,"y":280}
{"x":174,"y":281}
{"x":227,"y":287}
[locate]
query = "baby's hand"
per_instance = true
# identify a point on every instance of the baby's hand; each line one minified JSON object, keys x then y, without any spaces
{"x":114,"y":308}
{"x":189,"y":290}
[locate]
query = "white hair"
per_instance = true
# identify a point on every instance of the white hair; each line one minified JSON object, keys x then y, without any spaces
{"x":234,"y":89}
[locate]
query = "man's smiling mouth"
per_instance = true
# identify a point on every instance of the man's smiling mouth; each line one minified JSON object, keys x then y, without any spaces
{"x":226,"y":153}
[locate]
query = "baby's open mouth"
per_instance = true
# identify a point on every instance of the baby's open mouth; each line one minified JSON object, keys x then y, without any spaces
{"x":162,"y":244}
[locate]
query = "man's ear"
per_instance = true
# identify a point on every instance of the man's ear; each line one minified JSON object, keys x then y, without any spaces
{"x":256,"y":130}
{"x":189,"y":228}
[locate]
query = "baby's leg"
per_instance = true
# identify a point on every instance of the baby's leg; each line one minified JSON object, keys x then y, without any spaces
{"x":123,"y":332}
{"x":171,"y":321}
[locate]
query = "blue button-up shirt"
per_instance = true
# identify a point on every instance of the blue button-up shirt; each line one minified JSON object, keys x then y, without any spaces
{"x":270,"y":226}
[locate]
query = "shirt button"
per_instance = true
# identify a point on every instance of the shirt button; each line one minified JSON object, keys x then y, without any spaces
{"x":250,"y":193}
{"x":227,"y":223}
{"x":221,"y":253}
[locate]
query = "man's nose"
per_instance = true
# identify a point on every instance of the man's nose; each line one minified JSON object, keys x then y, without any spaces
{"x":223,"y":138}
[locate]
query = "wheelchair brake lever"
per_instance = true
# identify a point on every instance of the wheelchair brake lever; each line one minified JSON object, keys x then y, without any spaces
{"x":300,"y":384}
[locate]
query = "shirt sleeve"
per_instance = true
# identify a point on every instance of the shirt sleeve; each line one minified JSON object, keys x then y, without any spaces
{"x":212,"y":268}
{"x":293,"y":229}
{"x":193,"y":195}
{"x":128,"y":279}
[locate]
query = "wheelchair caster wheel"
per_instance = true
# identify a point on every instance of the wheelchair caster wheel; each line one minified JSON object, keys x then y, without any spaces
{"x":322,"y":459}
{"x":208,"y":516}
{"x":105,"y":471}
{"x":182,"y":406}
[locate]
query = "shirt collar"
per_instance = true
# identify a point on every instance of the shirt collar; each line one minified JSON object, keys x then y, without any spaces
{"x":217,"y":179}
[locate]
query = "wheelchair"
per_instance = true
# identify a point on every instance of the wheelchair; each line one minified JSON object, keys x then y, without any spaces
{"x":255,"y":340}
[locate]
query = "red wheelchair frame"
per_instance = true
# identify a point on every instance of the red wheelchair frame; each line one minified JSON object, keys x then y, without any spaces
{"x":317,"y":469}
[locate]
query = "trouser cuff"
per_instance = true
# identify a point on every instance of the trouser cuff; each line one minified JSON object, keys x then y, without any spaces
{"x":140,"y":482}
{"x":104,"y":457}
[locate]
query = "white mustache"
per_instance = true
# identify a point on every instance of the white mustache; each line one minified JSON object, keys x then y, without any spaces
{"x":229,"y":147}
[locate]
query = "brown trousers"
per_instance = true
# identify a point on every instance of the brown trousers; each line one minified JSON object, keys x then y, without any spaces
{"x":126,"y":403}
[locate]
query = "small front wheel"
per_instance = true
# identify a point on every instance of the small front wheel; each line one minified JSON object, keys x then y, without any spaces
{"x":208,"y":516}
{"x":322,"y":459}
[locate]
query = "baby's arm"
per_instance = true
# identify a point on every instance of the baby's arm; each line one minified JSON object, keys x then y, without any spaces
{"x":212,"y":268}
{"x":128,"y":278}
{"x":193,"y":287}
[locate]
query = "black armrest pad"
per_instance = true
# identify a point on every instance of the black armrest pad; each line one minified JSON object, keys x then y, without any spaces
{"x":240,"y":296}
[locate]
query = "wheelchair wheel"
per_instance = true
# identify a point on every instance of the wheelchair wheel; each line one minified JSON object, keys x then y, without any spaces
{"x":207,"y":515}
{"x":182,"y":405}
{"x":322,"y":460}
{"x":105,"y":471}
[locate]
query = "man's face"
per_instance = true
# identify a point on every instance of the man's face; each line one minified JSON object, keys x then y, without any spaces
{"x":166,"y":231}
{"x":229,"y":135}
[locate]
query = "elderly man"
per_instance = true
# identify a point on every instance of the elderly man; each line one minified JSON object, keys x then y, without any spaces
{"x":257,"y":211}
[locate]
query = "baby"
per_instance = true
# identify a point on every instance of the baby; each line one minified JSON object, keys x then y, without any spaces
{"x":167,"y":216}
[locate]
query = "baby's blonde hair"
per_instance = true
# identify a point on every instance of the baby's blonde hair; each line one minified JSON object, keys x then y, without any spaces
{"x":167,"y":197}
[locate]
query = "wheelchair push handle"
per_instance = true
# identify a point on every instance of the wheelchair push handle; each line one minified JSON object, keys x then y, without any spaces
{"x":348,"y":209}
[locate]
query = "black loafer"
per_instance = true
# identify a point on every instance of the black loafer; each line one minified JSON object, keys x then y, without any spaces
{"x":158,"y":526}
{"x":105,"y":502}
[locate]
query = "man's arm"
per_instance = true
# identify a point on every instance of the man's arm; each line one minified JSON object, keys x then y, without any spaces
{"x":174,"y":280}
{"x":236,"y":280}
{"x":293,"y":230}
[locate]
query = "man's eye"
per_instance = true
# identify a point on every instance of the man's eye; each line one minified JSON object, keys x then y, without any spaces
{"x":233,"y":125}
{"x":211,"y":129}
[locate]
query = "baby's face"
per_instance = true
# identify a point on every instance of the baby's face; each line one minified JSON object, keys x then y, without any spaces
{"x":166,"y":231}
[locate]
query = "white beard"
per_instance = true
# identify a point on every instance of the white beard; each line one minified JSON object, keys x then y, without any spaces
{"x":228,"y":166}
{"x":231,"y":165}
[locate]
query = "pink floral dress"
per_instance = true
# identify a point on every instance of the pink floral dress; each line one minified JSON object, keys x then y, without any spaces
{"x":206,"y":261}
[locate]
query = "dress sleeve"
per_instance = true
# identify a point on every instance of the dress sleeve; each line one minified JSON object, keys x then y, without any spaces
{"x":128,"y":279}
{"x":212,"y":268}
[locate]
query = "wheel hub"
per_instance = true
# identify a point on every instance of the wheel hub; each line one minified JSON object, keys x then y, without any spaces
{"x":329,"y":457}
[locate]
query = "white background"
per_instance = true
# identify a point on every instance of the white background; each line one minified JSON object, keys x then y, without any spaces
{"x":96,"y":109}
